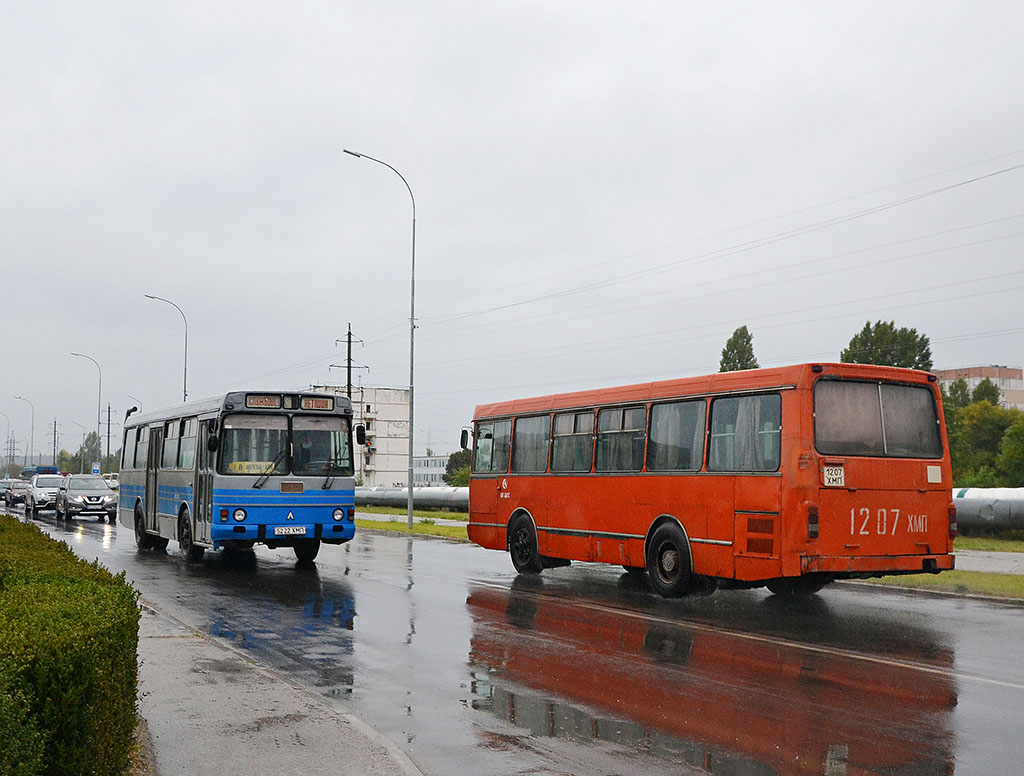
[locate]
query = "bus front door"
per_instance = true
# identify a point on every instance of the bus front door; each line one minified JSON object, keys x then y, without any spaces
{"x":156,"y":436}
{"x":204,"y":486}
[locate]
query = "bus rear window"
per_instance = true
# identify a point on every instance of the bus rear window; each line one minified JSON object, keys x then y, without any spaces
{"x":875,"y":419}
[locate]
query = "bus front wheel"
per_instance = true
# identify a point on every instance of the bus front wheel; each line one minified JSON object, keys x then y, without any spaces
{"x":668,"y":561}
{"x":307,"y":550}
{"x":190,"y":551}
{"x":522,"y":546}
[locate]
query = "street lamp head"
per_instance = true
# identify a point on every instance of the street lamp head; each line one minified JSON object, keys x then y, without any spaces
{"x":352,"y":153}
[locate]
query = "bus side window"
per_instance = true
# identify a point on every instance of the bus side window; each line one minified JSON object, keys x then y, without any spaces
{"x":746,"y":433}
{"x":530,"y":445}
{"x":676,"y":437}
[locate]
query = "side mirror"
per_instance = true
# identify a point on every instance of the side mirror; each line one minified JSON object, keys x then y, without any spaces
{"x":212,"y":443}
{"x":465,"y":439}
{"x":361,"y":434}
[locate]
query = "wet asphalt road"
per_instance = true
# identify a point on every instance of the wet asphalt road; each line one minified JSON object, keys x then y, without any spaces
{"x":471,"y":669}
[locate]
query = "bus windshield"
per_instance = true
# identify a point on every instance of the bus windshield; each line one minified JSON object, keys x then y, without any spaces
{"x":321,"y":446}
{"x":875,"y":419}
{"x":259,"y":444}
{"x":254,"y":444}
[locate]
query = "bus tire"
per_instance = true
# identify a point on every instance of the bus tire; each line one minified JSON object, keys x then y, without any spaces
{"x":190,"y":551}
{"x":668,"y":561}
{"x":142,"y":539}
{"x":306,"y":550}
{"x":522,"y":546}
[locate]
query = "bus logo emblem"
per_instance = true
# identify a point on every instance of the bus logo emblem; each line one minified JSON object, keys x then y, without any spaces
{"x":290,"y":516}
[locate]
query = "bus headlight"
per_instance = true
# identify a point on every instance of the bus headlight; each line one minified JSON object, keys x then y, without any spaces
{"x":339,"y":514}
{"x":239,"y":515}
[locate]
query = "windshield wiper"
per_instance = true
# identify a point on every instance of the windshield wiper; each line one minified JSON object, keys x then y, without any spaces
{"x":270,"y":469}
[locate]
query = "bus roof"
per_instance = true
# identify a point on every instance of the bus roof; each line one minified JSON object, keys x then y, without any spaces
{"x":720,"y":382}
{"x":217,"y":403}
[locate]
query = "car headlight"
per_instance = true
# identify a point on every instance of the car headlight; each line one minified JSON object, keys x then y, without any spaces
{"x":339,"y":514}
{"x":239,"y":515}
{"x":79,"y":499}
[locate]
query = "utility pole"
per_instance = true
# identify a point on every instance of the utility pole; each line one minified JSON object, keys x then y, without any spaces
{"x":348,"y":361}
{"x":54,"y":441}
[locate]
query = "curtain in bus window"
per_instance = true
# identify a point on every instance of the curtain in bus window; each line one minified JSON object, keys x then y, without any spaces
{"x":745,"y":433}
{"x":677,"y":437}
{"x":847,"y":418}
{"x":254,"y":444}
{"x":320,"y":446}
{"x":620,"y":439}
{"x":530,"y":445}
{"x":911,"y":421}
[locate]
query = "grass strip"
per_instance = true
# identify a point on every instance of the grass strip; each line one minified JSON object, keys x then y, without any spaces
{"x":960,"y":583}
{"x":399,"y":526}
{"x":1001,"y":543}
{"x":403,"y":511}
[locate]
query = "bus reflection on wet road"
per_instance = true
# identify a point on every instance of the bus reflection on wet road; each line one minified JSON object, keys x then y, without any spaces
{"x":720,"y":700}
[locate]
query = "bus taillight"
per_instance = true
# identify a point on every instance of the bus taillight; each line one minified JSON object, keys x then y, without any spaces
{"x":952,"y":521}
{"x":812,"y":522}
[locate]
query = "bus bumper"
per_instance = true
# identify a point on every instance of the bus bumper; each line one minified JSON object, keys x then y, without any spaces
{"x":876,"y":565}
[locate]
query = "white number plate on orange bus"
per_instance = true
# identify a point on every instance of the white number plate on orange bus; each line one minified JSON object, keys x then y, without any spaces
{"x":285,"y":530}
{"x":835,"y":477}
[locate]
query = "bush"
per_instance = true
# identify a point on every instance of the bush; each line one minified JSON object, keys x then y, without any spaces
{"x":68,"y":670}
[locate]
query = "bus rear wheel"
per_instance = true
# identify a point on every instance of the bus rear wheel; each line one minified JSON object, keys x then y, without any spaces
{"x":522,"y":546}
{"x":190,"y":551}
{"x":668,"y":561}
{"x":307,"y":550}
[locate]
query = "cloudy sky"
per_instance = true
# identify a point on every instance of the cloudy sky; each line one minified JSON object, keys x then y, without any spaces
{"x":604,"y":192}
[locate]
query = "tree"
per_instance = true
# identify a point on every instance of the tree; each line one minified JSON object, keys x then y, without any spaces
{"x":1011,"y":455}
{"x":738,"y":352}
{"x":457,"y":462}
{"x":986,"y":390}
{"x":882,"y":343}
{"x":959,"y":394}
{"x":975,"y":443}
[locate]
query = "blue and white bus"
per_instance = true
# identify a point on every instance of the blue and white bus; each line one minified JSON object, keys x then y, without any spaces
{"x":241,"y":469}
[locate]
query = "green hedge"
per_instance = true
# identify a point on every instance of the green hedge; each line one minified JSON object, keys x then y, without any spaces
{"x":69,"y":632}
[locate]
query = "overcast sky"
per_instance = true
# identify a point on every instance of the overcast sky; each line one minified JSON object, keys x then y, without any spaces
{"x":604,"y":192}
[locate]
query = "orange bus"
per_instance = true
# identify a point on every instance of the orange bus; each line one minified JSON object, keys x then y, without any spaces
{"x":788,"y":478}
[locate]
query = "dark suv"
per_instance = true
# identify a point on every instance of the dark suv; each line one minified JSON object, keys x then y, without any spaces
{"x":86,"y":494}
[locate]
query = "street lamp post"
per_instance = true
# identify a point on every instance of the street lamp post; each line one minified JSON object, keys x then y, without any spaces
{"x":184,"y":387}
{"x":31,"y":429}
{"x":412,"y":313}
{"x":99,"y":403}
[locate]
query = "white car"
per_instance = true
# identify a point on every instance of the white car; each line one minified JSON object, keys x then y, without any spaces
{"x":42,"y":493}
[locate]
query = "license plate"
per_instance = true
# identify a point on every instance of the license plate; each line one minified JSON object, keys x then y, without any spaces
{"x":288,"y":530}
{"x":835,"y":477}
